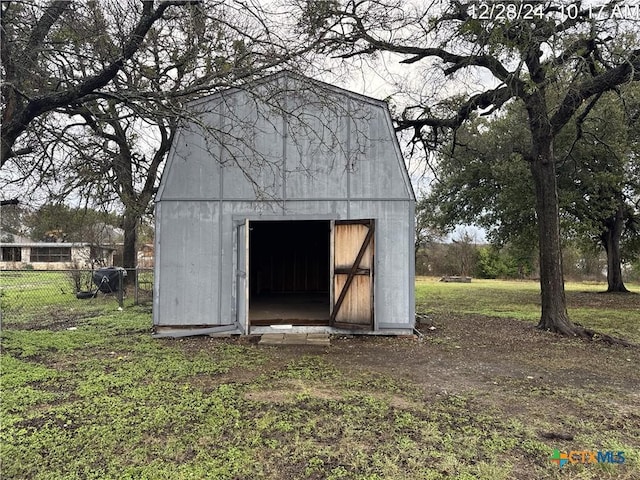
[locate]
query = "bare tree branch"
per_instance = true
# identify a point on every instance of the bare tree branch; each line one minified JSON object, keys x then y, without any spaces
{"x":626,"y":72}
{"x":16,"y":121}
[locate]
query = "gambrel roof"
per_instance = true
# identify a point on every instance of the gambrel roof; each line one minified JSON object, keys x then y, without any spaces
{"x":286,"y":137}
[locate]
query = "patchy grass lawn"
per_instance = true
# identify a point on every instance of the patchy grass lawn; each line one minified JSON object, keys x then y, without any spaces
{"x":89,"y":394}
{"x":30,"y":296}
{"x":614,"y":314}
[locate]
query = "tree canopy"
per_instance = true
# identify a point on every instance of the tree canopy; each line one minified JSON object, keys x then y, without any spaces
{"x":92,"y":116}
{"x":483,"y":179}
{"x":62,"y":223}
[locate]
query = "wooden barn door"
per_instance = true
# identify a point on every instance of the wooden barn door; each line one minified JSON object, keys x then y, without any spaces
{"x":353,"y":255}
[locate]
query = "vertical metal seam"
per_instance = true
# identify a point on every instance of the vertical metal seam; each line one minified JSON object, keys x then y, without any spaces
{"x":348,"y":159}
{"x":412,"y":262}
{"x":220,"y":206}
{"x":285,"y":136}
{"x":247,"y":267}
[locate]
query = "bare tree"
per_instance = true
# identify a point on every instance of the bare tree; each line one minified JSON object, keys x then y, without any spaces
{"x":108,"y":143}
{"x":43,"y":70}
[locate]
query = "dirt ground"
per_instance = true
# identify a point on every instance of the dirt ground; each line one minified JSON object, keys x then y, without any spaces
{"x":475,"y":352}
{"x":461,"y":353}
{"x":565,"y":388}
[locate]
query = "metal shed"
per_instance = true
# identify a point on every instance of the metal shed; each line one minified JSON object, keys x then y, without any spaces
{"x":285,"y":204}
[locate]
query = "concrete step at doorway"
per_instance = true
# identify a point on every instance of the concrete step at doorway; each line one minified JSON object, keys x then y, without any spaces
{"x":321,"y":339}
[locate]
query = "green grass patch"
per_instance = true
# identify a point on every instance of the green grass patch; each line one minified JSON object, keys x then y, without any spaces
{"x":613,"y":314}
{"x":89,"y":394}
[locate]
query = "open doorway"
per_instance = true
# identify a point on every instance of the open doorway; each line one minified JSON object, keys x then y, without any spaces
{"x":289,"y":272}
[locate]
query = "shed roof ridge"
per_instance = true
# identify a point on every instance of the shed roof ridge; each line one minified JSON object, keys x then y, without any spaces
{"x":291,"y":74}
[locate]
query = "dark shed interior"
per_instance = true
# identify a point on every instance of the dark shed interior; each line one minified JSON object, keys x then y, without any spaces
{"x":289,"y":272}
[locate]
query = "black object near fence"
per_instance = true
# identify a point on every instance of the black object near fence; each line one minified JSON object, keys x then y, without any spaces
{"x":106,"y":280}
{"x":110,"y":279}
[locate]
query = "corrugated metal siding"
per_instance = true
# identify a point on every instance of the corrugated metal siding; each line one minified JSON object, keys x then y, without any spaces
{"x":270,"y":154}
{"x":187,"y":289}
{"x":192,"y":171}
{"x":190,"y":253}
{"x":376,"y":171}
{"x":252,"y":153}
{"x":316,"y":148}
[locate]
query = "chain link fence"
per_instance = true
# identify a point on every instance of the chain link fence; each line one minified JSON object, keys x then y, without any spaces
{"x":29,"y":293}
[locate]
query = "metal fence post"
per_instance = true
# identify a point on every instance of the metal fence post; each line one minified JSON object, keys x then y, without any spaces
{"x":120,"y":289}
{"x":136,"y":287}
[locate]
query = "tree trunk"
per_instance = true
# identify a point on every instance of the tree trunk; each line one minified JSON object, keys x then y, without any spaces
{"x":611,"y":243}
{"x":11,"y":130}
{"x":129,"y":254}
{"x":554,"y":315}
